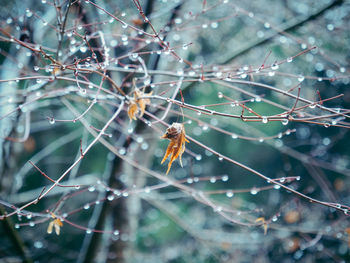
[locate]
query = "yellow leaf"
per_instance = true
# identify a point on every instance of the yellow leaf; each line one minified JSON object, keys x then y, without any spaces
{"x":49,"y":229}
{"x":56,"y":223}
{"x":264,"y":223}
{"x":177,"y":136}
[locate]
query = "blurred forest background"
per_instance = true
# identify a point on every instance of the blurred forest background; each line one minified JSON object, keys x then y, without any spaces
{"x":261,"y":86}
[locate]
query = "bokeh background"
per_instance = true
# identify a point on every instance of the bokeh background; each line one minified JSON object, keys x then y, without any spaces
{"x":121,"y":213}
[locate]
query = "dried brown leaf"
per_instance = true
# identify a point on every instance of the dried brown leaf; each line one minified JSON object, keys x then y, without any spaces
{"x":177,"y":136}
{"x":138,"y":104}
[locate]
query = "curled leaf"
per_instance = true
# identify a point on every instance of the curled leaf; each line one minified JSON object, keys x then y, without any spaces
{"x":177,"y":136}
{"x":138,"y":104}
{"x":56,"y":223}
{"x":132,"y":111}
{"x":264,"y":223}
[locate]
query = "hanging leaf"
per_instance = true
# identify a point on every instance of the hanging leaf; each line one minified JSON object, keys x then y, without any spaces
{"x":138,"y":104}
{"x":56,"y":223}
{"x":132,"y":111}
{"x":177,"y":136}
{"x":264,"y":223}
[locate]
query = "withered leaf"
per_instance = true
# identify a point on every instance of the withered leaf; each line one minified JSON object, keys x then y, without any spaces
{"x":264,"y":223}
{"x":138,"y":104}
{"x":56,"y":223}
{"x":177,"y":136}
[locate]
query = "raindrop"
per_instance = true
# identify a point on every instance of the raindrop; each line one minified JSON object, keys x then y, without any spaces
{"x":224,"y":178}
{"x":17,"y":226}
{"x":133,"y":56}
{"x":31,"y":224}
{"x":110,"y":197}
{"x":198,"y":157}
{"x":234,"y":136}
{"x":214,"y":25}
{"x":229,"y":194}
{"x":116,"y":232}
{"x":88,"y":231}
{"x":284,"y":121}
{"x":83,"y":49}
{"x":36,"y":68}
{"x":264,"y":119}
{"x":254,"y":191}
{"x":243,"y":75}
{"x":220,"y":95}
{"x":301,"y":78}
{"x":91,"y":188}
{"x":274,"y":66}
{"x":52,"y":121}
{"x":180,"y":72}
{"x":217,"y":209}
{"x":147,"y":81}
{"x":77,"y":187}
{"x":86,"y":206}
{"x":122,"y":151}
{"x":290,"y":59}
{"x":144,"y":146}
{"x":212,"y":179}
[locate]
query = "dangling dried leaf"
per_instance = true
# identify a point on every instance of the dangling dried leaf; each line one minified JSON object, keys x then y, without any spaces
{"x":138,"y":105}
{"x":176,"y":134}
{"x":264,"y":223}
{"x":132,"y":110}
{"x":56,"y":223}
